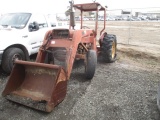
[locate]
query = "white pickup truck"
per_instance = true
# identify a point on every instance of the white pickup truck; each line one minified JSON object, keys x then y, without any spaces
{"x":21,"y":35}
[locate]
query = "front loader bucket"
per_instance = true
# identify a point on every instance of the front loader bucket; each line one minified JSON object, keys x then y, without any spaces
{"x":37,"y":85}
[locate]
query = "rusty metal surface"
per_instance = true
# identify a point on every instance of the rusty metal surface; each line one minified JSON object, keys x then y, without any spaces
{"x":73,"y":39}
{"x":88,"y":6}
{"x":92,"y":7}
{"x":35,"y":87}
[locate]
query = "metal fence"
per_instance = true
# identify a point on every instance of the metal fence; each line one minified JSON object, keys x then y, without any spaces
{"x":137,"y":27}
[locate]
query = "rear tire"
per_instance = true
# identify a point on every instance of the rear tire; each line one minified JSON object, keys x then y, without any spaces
{"x":109,"y":48}
{"x":91,"y":62}
{"x":9,"y":56}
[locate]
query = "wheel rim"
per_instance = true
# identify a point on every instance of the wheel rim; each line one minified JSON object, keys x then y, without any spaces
{"x":16,"y":57}
{"x":113,"y":49}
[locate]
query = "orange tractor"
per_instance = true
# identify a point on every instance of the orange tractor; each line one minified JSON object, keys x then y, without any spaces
{"x":43,"y":84}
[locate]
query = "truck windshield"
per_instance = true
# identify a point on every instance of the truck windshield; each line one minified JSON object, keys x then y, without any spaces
{"x":14,"y":20}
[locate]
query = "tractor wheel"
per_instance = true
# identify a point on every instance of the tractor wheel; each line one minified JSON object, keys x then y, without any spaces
{"x":158,"y":97}
{"x":91,"y":62}
{"x":10,"y":55}
{"x":109,"y":48}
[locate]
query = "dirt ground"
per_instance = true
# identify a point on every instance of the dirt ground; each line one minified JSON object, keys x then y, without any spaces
{"x":124,"y":90}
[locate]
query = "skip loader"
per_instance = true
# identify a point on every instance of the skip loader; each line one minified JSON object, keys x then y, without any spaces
{"x":43,"y":84}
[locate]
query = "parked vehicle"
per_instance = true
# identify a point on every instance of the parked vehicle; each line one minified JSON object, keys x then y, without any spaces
{"x":110,"y":18}
{"x":118,"y":18}
{"x":21,"y":35}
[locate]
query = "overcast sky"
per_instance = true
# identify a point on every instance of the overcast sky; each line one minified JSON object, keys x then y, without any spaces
{"x":59,"y":6}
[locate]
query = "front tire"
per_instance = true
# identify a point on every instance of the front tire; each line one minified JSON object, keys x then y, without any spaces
{"x":91,"y":62}
{"x":10,"y":55}
{"x":109,"y":48}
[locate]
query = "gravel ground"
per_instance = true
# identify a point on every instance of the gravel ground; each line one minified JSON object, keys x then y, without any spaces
{"x":124,"y":90}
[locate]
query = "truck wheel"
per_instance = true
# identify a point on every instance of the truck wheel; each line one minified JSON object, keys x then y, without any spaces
{"x":158,"y":97}
{"x":91,"y":62}
{"x":10,"y":55}
{"x":109,"y":48}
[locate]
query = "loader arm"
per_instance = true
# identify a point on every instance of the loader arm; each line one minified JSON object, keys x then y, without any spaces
{"x":43,"y":84}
